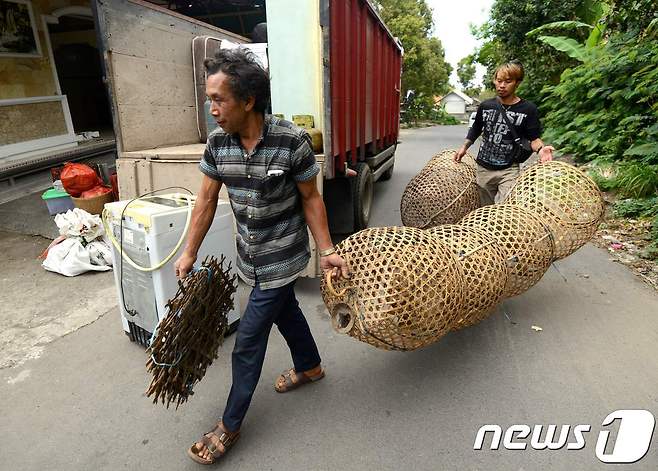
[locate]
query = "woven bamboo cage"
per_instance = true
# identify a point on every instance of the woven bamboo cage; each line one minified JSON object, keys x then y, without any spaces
{"x":405,"y":290}
{"x":445,"y":159}
{"x":527,"y":241}
{"x":566,"y":199}
{"x":484,"y":264}
{"x":442,"y":193}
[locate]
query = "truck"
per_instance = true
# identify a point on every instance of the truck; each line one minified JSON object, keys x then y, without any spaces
{"x":334,"y":66}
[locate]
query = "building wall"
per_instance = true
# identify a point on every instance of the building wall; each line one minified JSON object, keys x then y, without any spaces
{"x":454,"y":104}
{"x":28,"y":77}
{"x":24,"y":122}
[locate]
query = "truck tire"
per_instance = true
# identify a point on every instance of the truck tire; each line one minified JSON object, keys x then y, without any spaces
{"x":362,"y":195}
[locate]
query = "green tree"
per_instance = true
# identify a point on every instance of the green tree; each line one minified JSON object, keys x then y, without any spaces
{"x":633,"y":16}
{"x":466,"y":74}
{"x":466,"y":71}
{"x":504,"y":36}
{"x":612,"y":111}
{"x":597,"y":15}
{"x":424,"y":69}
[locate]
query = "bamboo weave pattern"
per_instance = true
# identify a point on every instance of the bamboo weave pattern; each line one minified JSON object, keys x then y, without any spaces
{"x":409,"y":287}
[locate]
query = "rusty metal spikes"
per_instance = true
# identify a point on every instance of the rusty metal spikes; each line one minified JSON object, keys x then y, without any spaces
{"x":189,"y":336}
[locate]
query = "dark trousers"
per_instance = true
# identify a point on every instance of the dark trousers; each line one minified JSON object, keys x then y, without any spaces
{"x":266,"y":307}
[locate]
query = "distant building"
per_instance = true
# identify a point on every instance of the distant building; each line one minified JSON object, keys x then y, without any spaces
{"x":458,"y":104}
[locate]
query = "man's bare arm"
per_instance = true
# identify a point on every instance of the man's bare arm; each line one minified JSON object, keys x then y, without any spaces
{"x":315,"y":213}
{"x":536,"y":145}
{"x":461,"y":152}
{"x":202,"y":217}
{"x":316,"y":218}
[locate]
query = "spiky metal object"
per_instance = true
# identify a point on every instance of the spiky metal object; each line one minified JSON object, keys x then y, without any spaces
{"x":188,"y":337}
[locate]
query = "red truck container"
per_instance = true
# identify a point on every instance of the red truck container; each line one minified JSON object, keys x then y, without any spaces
{"x":365,"y":63}
{"x":364,"y":96}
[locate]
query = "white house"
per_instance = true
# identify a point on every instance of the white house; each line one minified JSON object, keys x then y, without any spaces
{"x":458,"y":103}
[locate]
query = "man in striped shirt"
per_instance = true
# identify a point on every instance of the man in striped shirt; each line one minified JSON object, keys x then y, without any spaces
{"x":269,"y":169}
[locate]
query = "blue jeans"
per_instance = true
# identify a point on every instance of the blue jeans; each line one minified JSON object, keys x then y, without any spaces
{"x":266,"y":307}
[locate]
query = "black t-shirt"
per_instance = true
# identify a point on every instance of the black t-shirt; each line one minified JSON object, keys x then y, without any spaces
{"x":497,"y":141}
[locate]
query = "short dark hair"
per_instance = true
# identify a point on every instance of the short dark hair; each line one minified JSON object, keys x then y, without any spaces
{"x":247,"y":78}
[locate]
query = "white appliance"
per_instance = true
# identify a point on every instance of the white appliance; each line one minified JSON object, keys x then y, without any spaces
{"x":152,"y":227}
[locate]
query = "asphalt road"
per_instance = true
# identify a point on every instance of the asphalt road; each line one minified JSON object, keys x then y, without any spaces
{"x":80,"y":405}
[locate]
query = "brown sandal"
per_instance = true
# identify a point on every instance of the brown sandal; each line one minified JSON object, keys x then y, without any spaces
{"x":215,"y":453}
{"x":300,"y":380}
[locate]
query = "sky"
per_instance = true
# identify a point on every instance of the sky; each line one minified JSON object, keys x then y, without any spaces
{"x":451,"y":25}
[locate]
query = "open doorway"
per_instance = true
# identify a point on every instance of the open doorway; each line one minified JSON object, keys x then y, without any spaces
{"x":78,"y":65}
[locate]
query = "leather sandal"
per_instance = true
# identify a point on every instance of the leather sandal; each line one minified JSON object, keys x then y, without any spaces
{"x":300,"y":379}
{"x":210,"y":444}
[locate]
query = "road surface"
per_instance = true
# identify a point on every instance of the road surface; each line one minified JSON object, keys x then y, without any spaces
{"x":80,"y":405}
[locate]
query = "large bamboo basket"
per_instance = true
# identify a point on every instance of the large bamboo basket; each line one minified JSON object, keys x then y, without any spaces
{"x":484,"y":264}
{"x":445,"y":159}
{"x":442,"y":193}
{"x":528,"y":243}
{"x":566,"y":199}
{"x":405,"y":289}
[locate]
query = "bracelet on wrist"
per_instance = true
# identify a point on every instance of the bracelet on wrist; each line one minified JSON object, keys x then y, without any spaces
{"x":327,"y":252}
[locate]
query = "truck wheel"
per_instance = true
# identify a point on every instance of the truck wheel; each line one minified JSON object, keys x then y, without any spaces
{"x":362,"y":195}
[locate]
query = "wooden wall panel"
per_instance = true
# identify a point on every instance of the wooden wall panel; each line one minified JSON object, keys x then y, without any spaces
{"x":147,"y":127}
{"x":141,"y":81}
{"x":148,"y":55}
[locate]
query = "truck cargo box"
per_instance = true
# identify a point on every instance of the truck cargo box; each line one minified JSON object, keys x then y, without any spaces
{"x":332,"y":63}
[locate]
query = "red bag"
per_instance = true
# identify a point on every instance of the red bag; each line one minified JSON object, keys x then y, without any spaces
{"x":96,"y":191}
{"x":114,"y":180}
{"x":77,"y":178}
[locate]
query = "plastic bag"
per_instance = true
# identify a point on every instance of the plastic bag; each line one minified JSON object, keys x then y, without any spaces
{"x":71,"y":258}
{"x":77,"y":178}
{"x":114,"y":180}
{"x":96,"y":191}
{"x":100,"y":253}
{"x":82,"y":246}
{"x":78,"y":222}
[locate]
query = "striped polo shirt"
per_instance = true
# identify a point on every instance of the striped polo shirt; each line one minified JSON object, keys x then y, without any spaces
{"x":272,"y":236}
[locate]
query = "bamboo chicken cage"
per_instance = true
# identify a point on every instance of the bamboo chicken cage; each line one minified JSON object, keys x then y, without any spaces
{"x":405,"y":289}
{"x":566,"y":200}
{"x":484,"y":265}
{"x":527,"y":242}
{"x":443,"y":192}
{"x":410,"y":286}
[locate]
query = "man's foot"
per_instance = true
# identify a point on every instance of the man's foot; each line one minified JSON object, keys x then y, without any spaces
{"x":213,"y":445}
{"x":290,"y":379}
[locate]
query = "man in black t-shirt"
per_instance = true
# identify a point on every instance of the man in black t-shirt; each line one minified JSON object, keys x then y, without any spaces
{"x":496,"y":170}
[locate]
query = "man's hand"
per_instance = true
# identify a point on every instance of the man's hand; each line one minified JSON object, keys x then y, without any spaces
{"x":336,"y":264}
{"x":461,"y":152}
{"x":546,"y":154}
{"x":184,"y":265}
